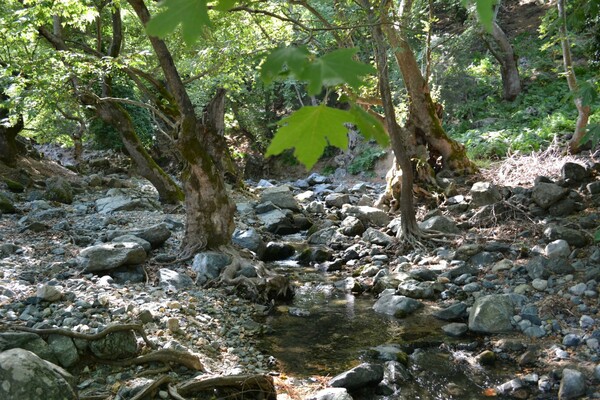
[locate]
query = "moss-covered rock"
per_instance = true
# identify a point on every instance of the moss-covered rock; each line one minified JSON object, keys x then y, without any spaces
{"x":14,"y":186}
{"x":6,"y":205}
{"x":58,"y":189}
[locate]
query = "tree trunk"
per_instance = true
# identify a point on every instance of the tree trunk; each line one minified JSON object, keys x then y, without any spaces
{"x":209,"y":210}
{"x":8,"y":136}
{"x":583,"y":110}
{"x":114,"y":115}
{"x":504,"y":54}
{"x":422,"y":110}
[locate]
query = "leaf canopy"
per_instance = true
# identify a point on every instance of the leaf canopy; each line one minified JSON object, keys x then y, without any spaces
{"x":191,"y":14}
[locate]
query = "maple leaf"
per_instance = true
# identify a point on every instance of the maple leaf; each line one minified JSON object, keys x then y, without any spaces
{"x":309,"y":130}
{"x":191,"y":14}
{"x":293,"y":57}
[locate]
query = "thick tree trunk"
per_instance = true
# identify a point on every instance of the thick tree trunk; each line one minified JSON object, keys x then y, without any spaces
{"x":583,"y":111}
{"x":209,"y":210}
{"x":114,"y":115}
{"x":504,"y":54}
{"x":8,"y":135}
{"x":422,"y":110}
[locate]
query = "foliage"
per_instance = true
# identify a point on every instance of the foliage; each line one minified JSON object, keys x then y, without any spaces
{"x":365,"y":161}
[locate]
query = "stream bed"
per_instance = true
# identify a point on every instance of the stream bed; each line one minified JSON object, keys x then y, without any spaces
{"x":325,"y":332}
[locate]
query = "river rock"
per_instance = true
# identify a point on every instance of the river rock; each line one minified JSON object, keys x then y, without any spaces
{"x":281,"y":196}
{"x":173,"y":280}
{"x":330,"y":394}
{"x":572,"y":384}
{"x":58,"y":189}
{"x":441,"y":224}
{"x":557,"y":249}
{"x":352,"y":226}
{"x":64,"y":349}
{"x":416,"y":290}
{"x":545,"y":194}
{"x":27,"y":341}
{"x":249,"y":239}
{"x":358,"y":377}
{"x":276,"y":221}
{"x":455,"y":329}
{"x":455,"y":312}
{"x":156,"y":235}
{"x":368,"y":215}
{"x":374,"y":236}
{"x":133,"y":239}
{"x":398,"y":306}
{"x":337,"y":199}
{"x":574,"y":173}
{"x":574,"y":237}
{"x":326,"y":236}
{"x":278,"y":251}
{"x":491,"y":314}
{"x":484,"y":193}
{"x":6,"y":204}
{"x":115,"y":346}
{"x":25,"y":376}
{"x":208,"y":265}
{"x":108,"y":256}
{"x":111,"y":204}
{"x":49,"y":293}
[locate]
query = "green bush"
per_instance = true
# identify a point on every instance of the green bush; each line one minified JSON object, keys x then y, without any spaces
{"x":365,"y":161}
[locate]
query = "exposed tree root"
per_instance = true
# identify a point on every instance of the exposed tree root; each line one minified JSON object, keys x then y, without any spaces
{"x":261,"y":386}
{"x":419,"y":239}
{"x":166,"y":356}
{"x":150,"y":391}
{"x":86,"y":336}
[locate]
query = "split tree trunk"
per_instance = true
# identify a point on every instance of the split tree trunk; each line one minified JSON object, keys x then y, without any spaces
{"x":422,"y":110}
{"x":209,"y":210}
{"x":504,"y":54}
{"x":583,"y":110}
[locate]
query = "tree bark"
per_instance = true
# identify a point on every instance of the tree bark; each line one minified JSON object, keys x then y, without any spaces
{"x":209,"y":210}
{"x":8,"y":141}
{"x":422,"y":110}
{"x":504,"y":54}
{"x":583,"y":111}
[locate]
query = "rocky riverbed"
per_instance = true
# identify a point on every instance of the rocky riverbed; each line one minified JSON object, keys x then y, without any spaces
{"x":512,"y":280}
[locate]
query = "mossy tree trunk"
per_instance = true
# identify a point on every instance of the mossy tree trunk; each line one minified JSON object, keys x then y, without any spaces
{"x":209,"y":209}
{"x":583,"y":110}
{"x":422,"y":119}
{"x":8,"y":136}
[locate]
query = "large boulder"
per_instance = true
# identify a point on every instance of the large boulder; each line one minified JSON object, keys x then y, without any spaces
{"x":572,"y":384}
{"x":249,"y":239}
{"x":25,"y":376}
{"x":374,"y":236}
{"x":368,"y":215}
{"x":574,"y":237}
{"x":358,"y":377}
{"x":115,"y":346}
{"x":156,"y":235}
{"x":58,"y":189}
{"x":441,"y":224}
{"x":108,"y":256}
{"x":27,"y":341}
{"x":208,"y":265}
{"x":545,"y":194}
{"x":484,"y":193}
{"x":491,"y":314}
{"x":398,"y":306}
{"x":111,"y":204}
{"x":6,"y":205}
{"x":281,"y":196}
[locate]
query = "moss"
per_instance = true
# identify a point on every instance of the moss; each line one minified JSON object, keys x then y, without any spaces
{"x":6,"y":206}
{"x":13,"y":186}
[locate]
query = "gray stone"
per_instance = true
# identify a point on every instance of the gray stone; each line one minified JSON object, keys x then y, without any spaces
{"x":278,"y":251}
{"x":358,"y":377}
{"x":133,"y":239}
{"x":337,"y":199}
{"x":537,"y":268}
{"x":249,"y":239}
{"x":276,"y":221}
{"x":484,"y":193}
{"x":398,"y":306}
{"x":572,"y":384}
{"x":562,"y":208}
{"x":416,"y":290}
{"x":368,"y":215}
{"x":58,"y":189}
{"x":64,"y":349}
{"x":173,"y":280}
{"x":108,"y":256}
{"x":388,"y":352}
{"x":325,"y":236}
{"x":395,"y":372}
{"x":574,"y":172}
{"x":440,"y":224}
{"x":330,"y":394}
{"x":115,"y":346}
{"x":352,"y":226}
{"x":317,"y":179}
{"x":49,"y":292}
{"x":281,"y":196}
{"x":27,"y":341}
{"x":557,"y":249}
{"x":374,"y":236}
{"x":455,"y":329}
{"x":456,"y":312}
{"x":156,"y":235}
{"x":571,"y":340}
{"x":575,"y":237}
{"x":539,"y":284}
{"x":111,"y":204}
{"x":545,"y":194}
{"x":491,"y":314}
{"x":534,"y":331}
{"x":208,"y":265}
{"x":25,"y":376}
{"x":6,"y":205}
{"x":315,"y":207}
{"x":594,"y":187}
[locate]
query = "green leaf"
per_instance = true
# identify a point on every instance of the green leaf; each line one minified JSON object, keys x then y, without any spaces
{"x":597,"y":236}
{"x":192,"y":14}
{"x":225,"y":5}
{"x":592,"y":134}
{"x":587,"y":93}
{"x":485,"y":11}
{"x":309,"y":130}
{"x":369,"y":126}
{"x":292,"y":57}
{"x":335,"y":68}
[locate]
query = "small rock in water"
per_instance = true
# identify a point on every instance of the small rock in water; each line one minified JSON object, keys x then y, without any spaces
{"x":455,"y":329}
{"x":298,"y":312}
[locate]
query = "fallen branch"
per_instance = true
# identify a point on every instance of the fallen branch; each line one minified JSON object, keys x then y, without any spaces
{"x":88,"y":336}
{"x":243,"y":383}
{"x":186,"y":359}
